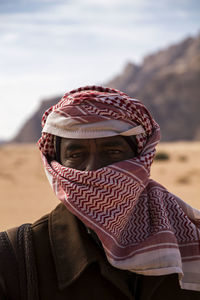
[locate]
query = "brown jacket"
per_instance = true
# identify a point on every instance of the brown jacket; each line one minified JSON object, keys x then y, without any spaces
{"x":70,"y":265}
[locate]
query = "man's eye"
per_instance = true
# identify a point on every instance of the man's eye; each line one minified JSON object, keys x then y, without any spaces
{"x":114,"y":151}
{"x":75,"y":155}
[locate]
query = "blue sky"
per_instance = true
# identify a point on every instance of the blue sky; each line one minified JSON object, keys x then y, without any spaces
{"x":50,"y":46}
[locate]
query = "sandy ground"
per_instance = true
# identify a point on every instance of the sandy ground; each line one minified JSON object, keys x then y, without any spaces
{"x":25,"y":194}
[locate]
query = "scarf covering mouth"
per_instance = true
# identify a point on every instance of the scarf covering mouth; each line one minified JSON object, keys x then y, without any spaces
{"x":143,"y":228}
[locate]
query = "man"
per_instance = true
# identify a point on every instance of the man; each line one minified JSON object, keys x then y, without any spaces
{"x":117,"y":233}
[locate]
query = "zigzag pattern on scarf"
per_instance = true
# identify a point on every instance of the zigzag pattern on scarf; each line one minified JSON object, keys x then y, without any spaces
{"x":98,"y":197}
{"x":166,"y":213}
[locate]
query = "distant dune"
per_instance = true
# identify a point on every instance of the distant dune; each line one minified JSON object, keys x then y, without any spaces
{"x":26,"y":195}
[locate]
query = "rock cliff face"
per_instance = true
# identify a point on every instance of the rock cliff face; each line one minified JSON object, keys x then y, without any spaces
{"x":167,"y":82}
{"x":31,"y":130}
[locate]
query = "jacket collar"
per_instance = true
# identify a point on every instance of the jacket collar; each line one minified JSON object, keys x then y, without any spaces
{"x":71,"y":246}
{"x":73,"y":250}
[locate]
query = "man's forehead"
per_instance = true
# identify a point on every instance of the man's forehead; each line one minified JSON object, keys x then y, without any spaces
{"x":105,"y":141}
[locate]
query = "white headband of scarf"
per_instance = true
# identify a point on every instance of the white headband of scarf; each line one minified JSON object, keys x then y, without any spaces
{"x":70,"y":128}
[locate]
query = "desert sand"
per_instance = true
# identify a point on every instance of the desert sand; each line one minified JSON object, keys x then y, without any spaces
{"x":25,"y":194}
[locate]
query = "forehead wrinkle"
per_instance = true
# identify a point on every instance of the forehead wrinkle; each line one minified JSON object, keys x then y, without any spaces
{"x":74,"y":144}
{"x":73,"y":147}
{"x":111,"y":143}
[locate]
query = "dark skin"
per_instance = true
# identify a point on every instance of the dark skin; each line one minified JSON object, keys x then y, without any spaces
{"x":93,"y":154}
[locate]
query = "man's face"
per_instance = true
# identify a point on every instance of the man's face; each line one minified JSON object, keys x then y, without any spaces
{"x":93,"y":154}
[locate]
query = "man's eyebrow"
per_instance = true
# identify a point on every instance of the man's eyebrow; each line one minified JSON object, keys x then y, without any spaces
{"x":111,"y":143}
{"x":73,"y":147}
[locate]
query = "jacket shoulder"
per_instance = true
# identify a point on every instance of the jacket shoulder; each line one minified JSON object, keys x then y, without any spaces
{"x":9,"y":281}
{"x":40,"y":222}
{"x":40,"y":234}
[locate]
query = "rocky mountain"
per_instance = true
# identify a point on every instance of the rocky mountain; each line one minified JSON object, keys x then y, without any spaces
{"x":31,"y":130}
{"x":2,"y":142}
{"x":167,"y":82}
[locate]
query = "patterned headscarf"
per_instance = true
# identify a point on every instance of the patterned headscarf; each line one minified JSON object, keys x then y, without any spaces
{"x":143,"y":228}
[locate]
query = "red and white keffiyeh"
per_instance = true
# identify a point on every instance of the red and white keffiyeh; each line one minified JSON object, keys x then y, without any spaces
{"x":143,"y":227}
